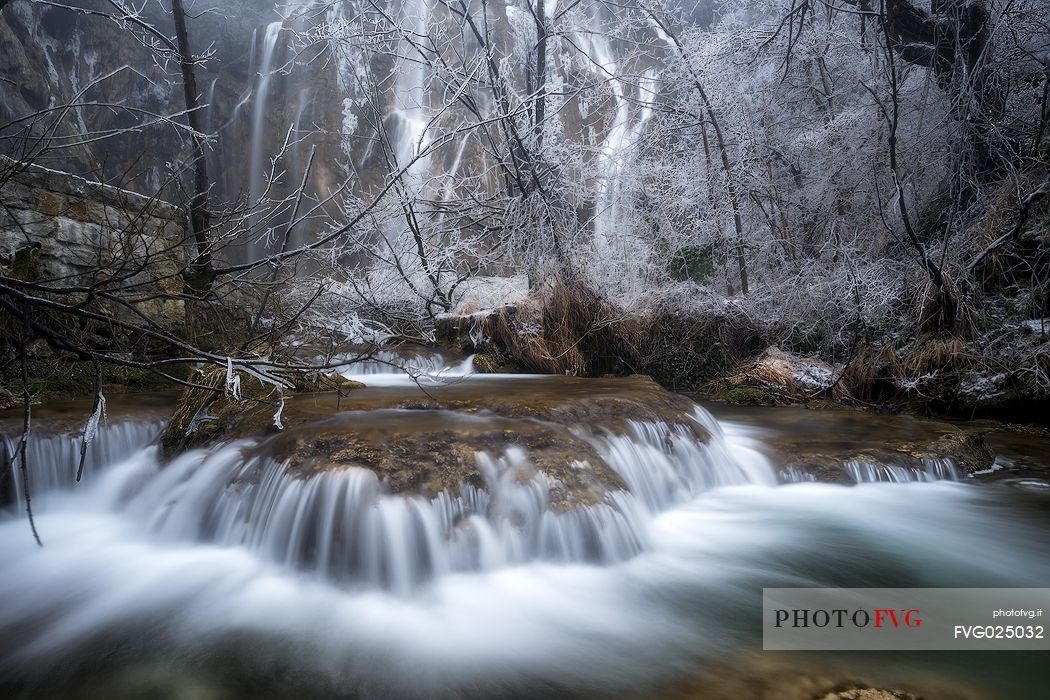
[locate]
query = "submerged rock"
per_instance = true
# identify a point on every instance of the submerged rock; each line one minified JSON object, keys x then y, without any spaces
{"x":775,"y":678}
{"x":869,"y":694}
{"x":848,"y":445}
{"x":950,"y":456}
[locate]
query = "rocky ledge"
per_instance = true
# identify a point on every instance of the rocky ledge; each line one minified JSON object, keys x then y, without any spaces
{"x":425,"y":441}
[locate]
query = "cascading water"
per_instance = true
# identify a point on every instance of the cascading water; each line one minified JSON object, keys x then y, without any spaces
{"x":260,"y":110}
{"x":346,"y":526}
{"x":267,"y":51}
{"x":932,"y":469}
{"x":232,"y":554}
{"x":54,"y":461}
{"x":409,"y":108}
{"x":630,"y":113}
{"x":390,"y":366}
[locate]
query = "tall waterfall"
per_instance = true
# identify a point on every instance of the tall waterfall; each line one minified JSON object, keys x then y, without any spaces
{"x":411,"y":93}
{"x":408,"y":106}
{"x":259,"y":158}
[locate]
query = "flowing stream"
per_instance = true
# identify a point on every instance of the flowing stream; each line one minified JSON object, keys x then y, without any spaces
{"x":224,"y":573}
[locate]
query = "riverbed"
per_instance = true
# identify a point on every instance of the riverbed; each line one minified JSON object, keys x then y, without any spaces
{"x":160,"y":579}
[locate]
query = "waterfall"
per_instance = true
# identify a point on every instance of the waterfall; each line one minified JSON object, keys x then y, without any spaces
{"x":631,"y":112}
{"x":257,"y":158}
{"x":410,"y":95}
{"x":345,"y":525}
{"x":53,"y":461}
{"x":393,"y":368}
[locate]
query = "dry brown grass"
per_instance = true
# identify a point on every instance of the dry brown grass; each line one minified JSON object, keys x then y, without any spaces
{"x":776,"y":370}
{"x":567,"y":328}
{"x":935,"y":355}
{"x":870,"y":376}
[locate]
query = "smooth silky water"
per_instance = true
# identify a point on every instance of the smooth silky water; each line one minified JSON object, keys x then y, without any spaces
{"x":221,"y":574}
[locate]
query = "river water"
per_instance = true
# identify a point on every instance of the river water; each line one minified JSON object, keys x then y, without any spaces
{"x":223,"y":575}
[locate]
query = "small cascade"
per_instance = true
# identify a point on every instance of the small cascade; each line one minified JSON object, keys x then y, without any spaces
{"x":516,"y":577}
{"x":346,"y":526}
{"x":931,"y":469}
{"x":409,"y":109}
{"x":53,"y":461}
{"x":391,"y":368}
{"x":664,"y":464}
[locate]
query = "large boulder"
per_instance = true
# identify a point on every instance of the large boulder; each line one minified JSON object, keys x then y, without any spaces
{"x":778,"y":377}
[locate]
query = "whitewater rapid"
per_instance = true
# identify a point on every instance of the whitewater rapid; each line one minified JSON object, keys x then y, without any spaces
{"x":144,"y":564}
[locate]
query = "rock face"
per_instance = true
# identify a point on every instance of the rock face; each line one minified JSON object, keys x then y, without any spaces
{"x":259,"y":86}
{"x":51,"y":53}
{"x":56,"y":225}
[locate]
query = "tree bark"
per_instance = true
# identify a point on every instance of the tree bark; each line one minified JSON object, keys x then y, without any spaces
{"x":541,"y":69}
{"x":202,"y":271}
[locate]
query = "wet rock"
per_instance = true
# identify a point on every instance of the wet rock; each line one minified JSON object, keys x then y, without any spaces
{"x":775,"y":678}
{"x":428,"y":452}
{"x":968,"y":451}
{"x":948,"y":455}
{"x":492,"y":361}
{"x":869,"y":694}
{"x":427,"y":442}
{"x":811,"y":444}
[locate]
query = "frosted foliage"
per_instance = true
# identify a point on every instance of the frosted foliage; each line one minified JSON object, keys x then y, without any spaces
{"x":669,"y":156}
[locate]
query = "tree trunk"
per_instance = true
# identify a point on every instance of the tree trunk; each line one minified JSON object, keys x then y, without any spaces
{"x":952,"y":40}
{"x":541,"y":69}
{"x":201,"y":272}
